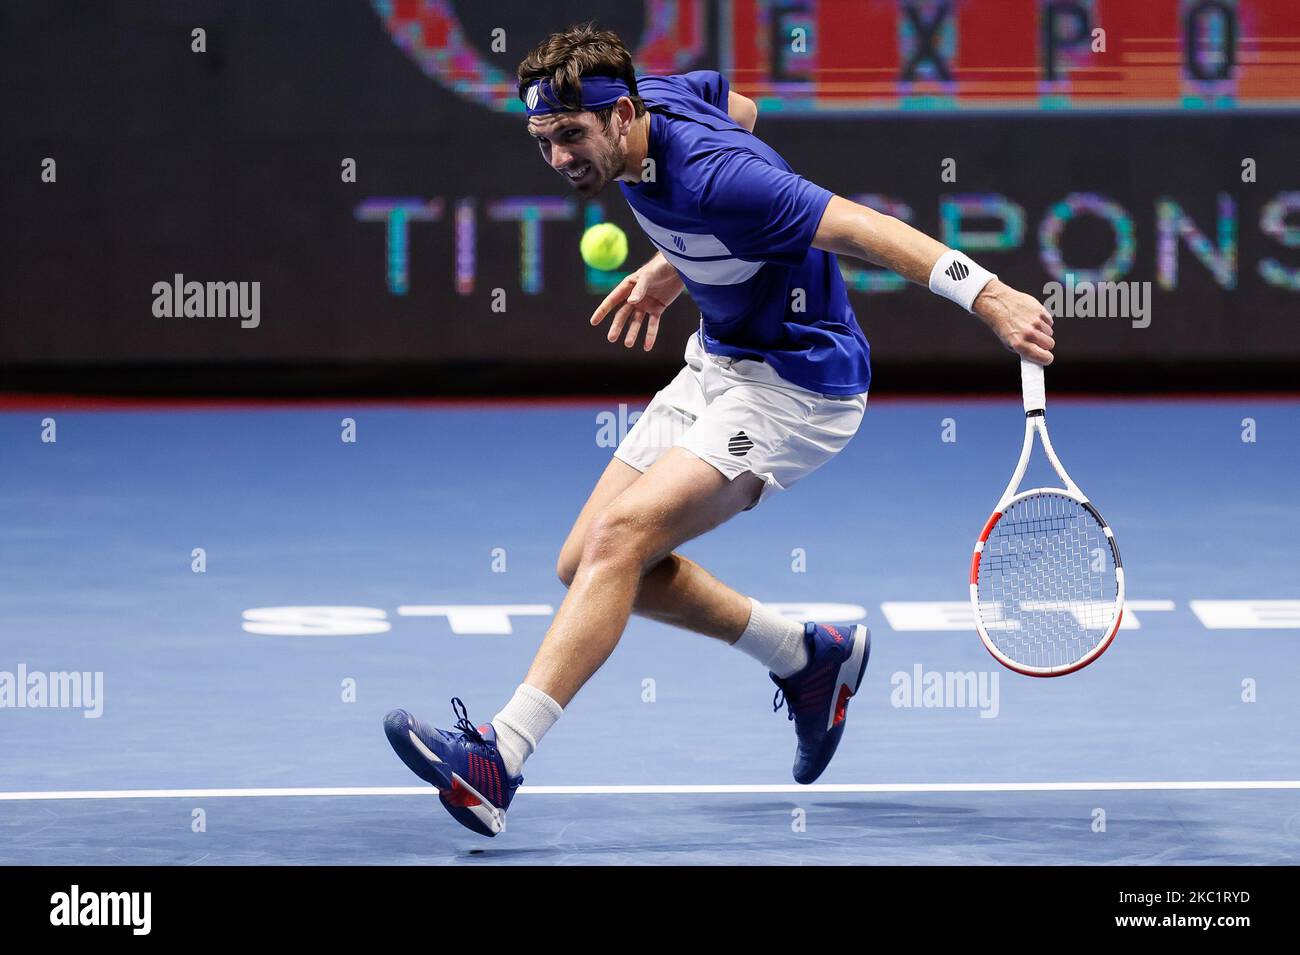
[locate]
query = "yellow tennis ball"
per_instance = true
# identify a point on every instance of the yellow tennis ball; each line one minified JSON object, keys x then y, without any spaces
{"x":604,"y":246}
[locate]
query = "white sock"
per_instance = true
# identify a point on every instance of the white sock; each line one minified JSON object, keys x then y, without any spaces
{"x":522,"y":724}
{"x":773,"y":640}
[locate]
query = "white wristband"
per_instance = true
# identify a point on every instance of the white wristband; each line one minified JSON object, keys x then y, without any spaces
{"x":959,"y":279}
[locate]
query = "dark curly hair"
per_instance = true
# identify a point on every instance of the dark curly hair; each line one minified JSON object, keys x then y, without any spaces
{"x":564,"y":58}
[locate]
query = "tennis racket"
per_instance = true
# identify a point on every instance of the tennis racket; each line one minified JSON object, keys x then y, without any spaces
{"x":1046,"y":582}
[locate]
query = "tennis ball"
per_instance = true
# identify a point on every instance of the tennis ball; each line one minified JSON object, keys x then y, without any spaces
{"x":604,"y":246}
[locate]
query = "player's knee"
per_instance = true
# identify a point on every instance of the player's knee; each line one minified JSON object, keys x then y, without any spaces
{"x":616,"y":535}
{"x":566,"y":568}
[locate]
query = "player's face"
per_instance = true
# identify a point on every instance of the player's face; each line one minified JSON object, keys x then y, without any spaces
{"x":580,"y":148}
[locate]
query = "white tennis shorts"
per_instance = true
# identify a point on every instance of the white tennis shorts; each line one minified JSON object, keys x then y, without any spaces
{"x":739,"y":415}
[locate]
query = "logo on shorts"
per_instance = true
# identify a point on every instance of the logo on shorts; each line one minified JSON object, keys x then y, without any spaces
{"x":740,"y":444}
{"x":680,"y":243}
{"x":957,"y":271}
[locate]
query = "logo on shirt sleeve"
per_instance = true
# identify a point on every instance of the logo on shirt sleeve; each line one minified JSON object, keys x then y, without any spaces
{"x":679,"y":242}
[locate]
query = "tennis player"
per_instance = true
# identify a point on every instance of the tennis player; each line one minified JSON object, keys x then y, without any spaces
{"x":775,"y":385}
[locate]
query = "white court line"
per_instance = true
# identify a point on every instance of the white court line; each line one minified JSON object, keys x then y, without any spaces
{"x":1156,"y":786}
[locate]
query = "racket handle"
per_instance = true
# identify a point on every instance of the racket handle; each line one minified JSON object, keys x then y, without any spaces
{"x":1032,"y":386}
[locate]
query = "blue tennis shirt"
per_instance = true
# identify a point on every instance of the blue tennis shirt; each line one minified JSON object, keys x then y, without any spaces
{"x":737,"y":223}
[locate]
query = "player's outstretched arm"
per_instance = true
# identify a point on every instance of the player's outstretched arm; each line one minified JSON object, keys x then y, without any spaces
{"x":1020,"y":321}
{"x":641,"y":298}
{"x":742,"y":109}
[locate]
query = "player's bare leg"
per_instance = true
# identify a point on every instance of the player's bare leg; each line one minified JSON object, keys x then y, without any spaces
{"x":818,"y":668}
{"x":679,"y":498}
{"x":675,"y":591}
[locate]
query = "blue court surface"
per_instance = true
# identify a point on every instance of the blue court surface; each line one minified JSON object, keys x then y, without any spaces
{"x":227,"y":731}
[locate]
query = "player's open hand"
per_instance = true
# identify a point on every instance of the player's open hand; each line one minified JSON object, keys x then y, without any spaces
{"x":1021,"y":322}
{"x":641,"y":299}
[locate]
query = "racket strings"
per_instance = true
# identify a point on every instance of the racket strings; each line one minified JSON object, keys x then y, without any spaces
{"x":1047,"y":582}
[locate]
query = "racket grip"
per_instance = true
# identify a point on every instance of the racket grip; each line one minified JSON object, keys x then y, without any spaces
{"x":1032,"y":386}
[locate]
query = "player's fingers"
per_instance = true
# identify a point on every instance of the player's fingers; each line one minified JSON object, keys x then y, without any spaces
{"x":650,"y":309}
{"x":633,"y":329}
{"x":638,"y":293}
{"x":1042,"y":338}
{"x":620,"y":318}
{"x":651,"y":332}
{"x":1045,"y":316}
{"x":1035,"y":353}
{"x":615,"y":297}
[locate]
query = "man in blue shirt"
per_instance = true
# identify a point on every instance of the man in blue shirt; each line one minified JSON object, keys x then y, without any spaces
{"x":763,"y":291}
{"x":774,"y":386}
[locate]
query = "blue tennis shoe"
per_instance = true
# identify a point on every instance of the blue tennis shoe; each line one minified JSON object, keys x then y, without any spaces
{"x":462,"y":764}
{"x":817,"y":697}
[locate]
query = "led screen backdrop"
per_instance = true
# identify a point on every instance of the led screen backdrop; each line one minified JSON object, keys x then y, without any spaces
{"x":1154,"y":146}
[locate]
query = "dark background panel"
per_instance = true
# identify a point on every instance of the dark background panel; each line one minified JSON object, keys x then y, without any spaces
{"x":224,"y":166}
